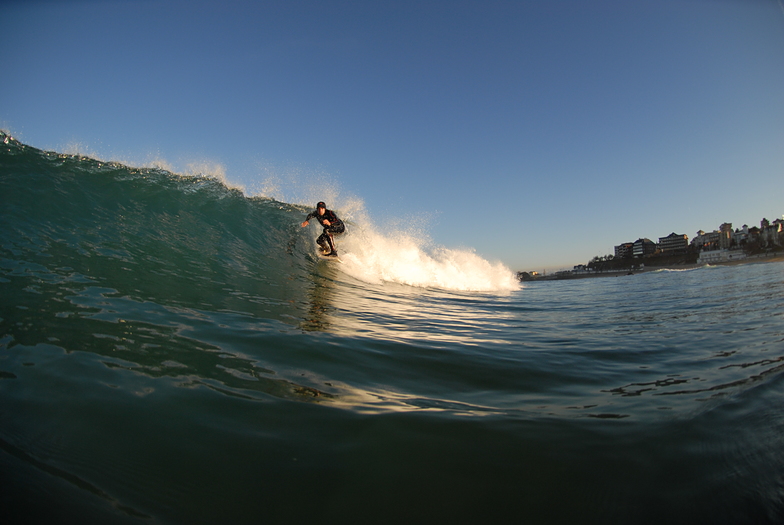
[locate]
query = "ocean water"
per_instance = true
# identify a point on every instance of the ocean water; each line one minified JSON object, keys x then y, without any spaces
{"x":173,"y":351}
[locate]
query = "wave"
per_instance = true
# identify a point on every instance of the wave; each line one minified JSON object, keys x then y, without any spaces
{"x":192,"y":240}
{"x":680,"y":270}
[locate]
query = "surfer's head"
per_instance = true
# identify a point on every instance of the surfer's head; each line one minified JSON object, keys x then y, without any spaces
{"x":321,"y":205}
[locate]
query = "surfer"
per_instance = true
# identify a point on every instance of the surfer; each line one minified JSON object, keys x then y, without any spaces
{"x":332,"y":225}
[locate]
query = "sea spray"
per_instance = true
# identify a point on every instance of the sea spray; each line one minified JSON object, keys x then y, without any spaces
{"x":404,"y":258}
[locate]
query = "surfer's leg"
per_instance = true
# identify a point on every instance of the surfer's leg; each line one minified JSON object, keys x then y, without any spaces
{"x":329,"y":239}
{"x":331,"y":242}
{"x":324,"y":241}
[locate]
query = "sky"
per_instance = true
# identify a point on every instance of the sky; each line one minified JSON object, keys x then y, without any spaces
{"x":539,"y":134}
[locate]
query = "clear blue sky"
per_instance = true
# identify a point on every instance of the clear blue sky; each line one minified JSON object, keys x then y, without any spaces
{"x":539,"y":133}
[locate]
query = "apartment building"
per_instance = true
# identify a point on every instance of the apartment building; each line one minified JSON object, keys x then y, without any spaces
{"x":622,"y":251}
{"x":643,"y":247}
{"x":674,"y":243}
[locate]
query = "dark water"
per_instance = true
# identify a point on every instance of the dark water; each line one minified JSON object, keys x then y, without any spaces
{"x":172,"y":351}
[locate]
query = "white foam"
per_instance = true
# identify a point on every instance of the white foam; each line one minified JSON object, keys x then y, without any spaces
{"x":404,"y":258}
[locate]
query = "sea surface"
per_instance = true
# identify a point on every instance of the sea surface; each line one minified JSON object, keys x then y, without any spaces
{"x":173,"y":351}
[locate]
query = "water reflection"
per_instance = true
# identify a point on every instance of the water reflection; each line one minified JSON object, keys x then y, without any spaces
{"x":396,"y":312}
{"x":320,"y":297}
{"x":157,"y":341}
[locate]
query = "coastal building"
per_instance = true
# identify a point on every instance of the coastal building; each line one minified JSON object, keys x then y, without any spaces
{"x":754,"y":234}
{"x":706,"y":241}
{"x":771,"y":233}
{"x":769,"y":236}
{"x":725,"y":236}
{"x":741,"y":236}
{"x":643,"y":247}
{"x":720,"y":256}
{"x":624,"y":251}
{"x":674,"y":243}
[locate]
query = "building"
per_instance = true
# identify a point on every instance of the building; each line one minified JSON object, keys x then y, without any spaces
{"x":624,"y":251}
{"x":771,"y":232}
{"x":741,"y":236}
{"x":706,"y":241}
{"x":725,"y":236}
{"x":674,"y":243}
{"x":720,"y":256}
{"x":643,"y":247}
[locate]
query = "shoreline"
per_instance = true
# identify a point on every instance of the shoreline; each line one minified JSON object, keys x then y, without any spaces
{"x":753,"y":259}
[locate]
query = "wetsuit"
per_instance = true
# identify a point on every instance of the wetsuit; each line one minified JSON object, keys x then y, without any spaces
{"x":335,"y":226}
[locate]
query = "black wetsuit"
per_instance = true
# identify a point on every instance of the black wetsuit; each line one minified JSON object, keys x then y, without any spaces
{"x":335,"y":226}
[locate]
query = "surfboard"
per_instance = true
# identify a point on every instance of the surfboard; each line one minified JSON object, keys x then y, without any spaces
{"x":329,"y":258}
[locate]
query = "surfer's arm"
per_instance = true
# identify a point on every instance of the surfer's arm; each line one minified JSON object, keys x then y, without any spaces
{"x":307,"y":219}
